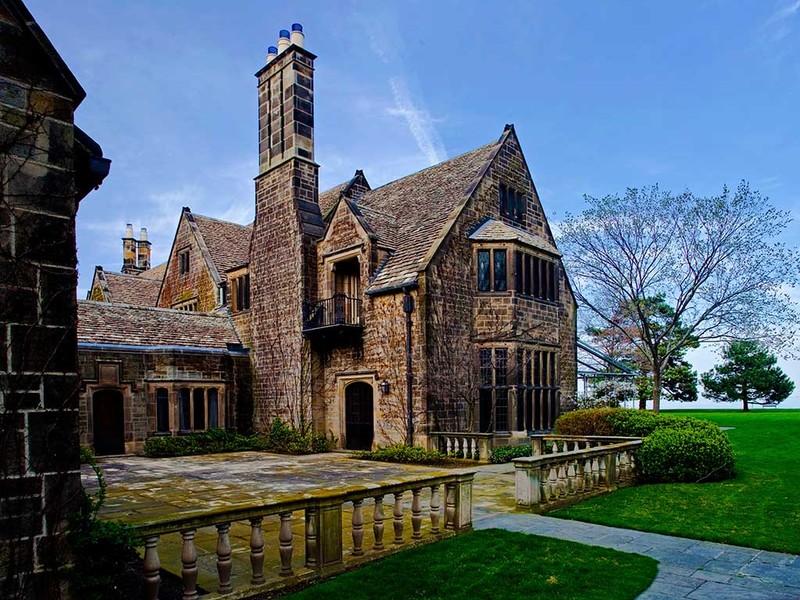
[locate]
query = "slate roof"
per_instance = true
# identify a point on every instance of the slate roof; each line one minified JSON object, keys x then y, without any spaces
{"x":228,"y":243}
{"x":126,"y":325}
{"x":497,"y":231}
{"x":156,"y":272}
{"x":329,"y":197}
{"x":422,"y":204}
{"x":131,"y":289}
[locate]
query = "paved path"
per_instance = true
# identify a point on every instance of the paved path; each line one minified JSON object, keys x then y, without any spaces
{"x":687,"y":568}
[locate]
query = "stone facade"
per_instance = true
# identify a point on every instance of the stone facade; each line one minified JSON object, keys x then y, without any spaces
{"x":47,"y":165}
{"x":437,"y":301}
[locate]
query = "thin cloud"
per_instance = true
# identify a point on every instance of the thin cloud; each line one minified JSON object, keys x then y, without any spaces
{"x":419,"y":122}
{"x":778,"y":25}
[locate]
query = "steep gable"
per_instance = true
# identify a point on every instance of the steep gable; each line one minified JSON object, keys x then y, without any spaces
{"x":421,"y":206}
{"x":108,"y":286}
{"x":228,"y":243}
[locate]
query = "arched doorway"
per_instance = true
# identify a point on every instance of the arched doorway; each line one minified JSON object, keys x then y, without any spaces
{"x":359,"y":428}
{"x":109,"y":422}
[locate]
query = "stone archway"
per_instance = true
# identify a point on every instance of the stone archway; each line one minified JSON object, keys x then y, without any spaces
{"x":358,"y":416}
{"x":108,"y":422}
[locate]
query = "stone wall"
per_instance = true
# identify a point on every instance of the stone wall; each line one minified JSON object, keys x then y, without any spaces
{"x":137,"y":375}
{"x":461,"y":320}
{"x":195,"y":285}
{"x":39,"y":459}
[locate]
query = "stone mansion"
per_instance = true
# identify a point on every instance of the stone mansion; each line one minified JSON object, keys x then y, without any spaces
{"x":436,"y":302}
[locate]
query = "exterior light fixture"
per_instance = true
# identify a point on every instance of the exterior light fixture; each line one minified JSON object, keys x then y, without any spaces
{"x":384,"y":385}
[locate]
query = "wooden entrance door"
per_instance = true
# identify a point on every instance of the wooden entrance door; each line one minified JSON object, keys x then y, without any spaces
{"x":109,"y":422}
{"x":359,"y":429}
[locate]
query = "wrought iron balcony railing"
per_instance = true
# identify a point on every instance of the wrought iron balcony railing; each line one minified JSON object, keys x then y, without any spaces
{"x":337,"y":310}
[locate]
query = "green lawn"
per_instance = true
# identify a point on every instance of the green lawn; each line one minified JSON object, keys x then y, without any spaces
{"x":497,"y":565}
{"x":759,"y":508}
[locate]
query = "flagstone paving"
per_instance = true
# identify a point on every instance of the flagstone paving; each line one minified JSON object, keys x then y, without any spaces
{"x":141,"y":489}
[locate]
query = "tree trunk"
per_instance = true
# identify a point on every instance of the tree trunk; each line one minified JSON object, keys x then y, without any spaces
{"x":642,"y":402}
{"x":656,"y":388}
{"x":745,"y":405}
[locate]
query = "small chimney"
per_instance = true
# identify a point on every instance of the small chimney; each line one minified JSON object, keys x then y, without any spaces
{"x":297,"y":36}
{"x":283,"y":40}
{"x":129,"y":250}
{"x":143,"y":251}
{"x":272,"y":52}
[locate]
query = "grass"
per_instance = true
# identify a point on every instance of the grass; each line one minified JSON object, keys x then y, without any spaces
{"x":759,"y":508}
{"x":495,"y":564}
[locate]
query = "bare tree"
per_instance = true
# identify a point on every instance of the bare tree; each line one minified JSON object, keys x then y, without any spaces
{"x":717,"y":261}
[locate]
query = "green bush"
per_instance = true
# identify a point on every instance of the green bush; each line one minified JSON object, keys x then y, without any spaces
{"x":401,"y":453}
{"x":588,"y":421}
{"x":675,"y":449}
{"x":280,"y":438}
{"x":685,"y":454}
{"x":106,"y":564}
{"x":505,"y":454}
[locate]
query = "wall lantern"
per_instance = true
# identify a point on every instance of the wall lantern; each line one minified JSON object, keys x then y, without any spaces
{"x":384,"y":387}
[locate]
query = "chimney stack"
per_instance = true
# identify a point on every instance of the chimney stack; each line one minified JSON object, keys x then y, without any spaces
{"x":297,"y":37}
{"x":143,"y":250}
{"x":129,"y":251}
{"x":283,"y":40}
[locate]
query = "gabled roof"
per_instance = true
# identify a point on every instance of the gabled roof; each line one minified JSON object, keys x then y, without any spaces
{"x":422,"y":206}
{"x":130,"y":289}
{"x":228,"y":244}
{"x":492,"y":230}
{"x":156,"y":272}
{"x":329,"y":197}
{"x":100,"y":323}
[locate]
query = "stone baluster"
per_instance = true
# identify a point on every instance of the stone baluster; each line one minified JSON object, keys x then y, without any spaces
{"x":587,"y":474}
{"x":552,"y":484}
{"x":286,"y":547}
{"x":562,"y":480}
{"x":471,"y":447}
{"x":312,"y":538}
{"x":554,"y":449}
{"x":377,"y":523}
{"x":152,"y":568}
{"x":358,"y":528}
{"x":544,"y":491}
{"x":256,"y":551}
{"x":536,"y":446}
{"x":572,"y":478}
{"x":579,"y":477}
{"x":602,"y":475}
{"x":450,"y":506}
{"x":416,"y":514}
{"x":435,"y":510}
{"x":224,"y":558}
{"x":448,"y":445}
{"x":576,"y":446}
{"x":189,"y":560}
{"x":398,"y":518}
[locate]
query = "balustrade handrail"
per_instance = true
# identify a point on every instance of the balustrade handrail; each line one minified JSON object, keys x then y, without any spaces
{"x":550,"y":458}
{"x":213,"y":516}
{"x":465,"y":434}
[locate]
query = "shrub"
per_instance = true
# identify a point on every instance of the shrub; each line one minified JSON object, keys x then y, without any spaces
{"x":685,"y":454}
{"x":281,"y":438}
{"x":505,"y":454}
{"x":106,"y":562}
{"x":588,"y":421}
{"x":402,"y":453}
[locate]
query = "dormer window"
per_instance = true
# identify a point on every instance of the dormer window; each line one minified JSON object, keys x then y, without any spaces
{"x":536,"y":277}
{"x":512,"y":203}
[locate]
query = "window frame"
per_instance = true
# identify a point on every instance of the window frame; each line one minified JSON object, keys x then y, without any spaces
{"x":512,"y":203}
{"x":183,"y":262}
{"x":535,"y":276}
{"x":491,"y":282}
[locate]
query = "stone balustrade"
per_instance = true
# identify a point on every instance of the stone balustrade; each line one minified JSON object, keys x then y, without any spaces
{"x":472,"y":446}
{"x":323,"y":538}
{"x":566,"y":469}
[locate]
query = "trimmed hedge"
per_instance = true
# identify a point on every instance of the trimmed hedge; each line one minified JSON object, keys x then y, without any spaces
{"x":685,"y":455}
{"x":402,"y":453}
{"x":504,"y":454}
{"x":281,"y":438}
{"x":675,"y":449}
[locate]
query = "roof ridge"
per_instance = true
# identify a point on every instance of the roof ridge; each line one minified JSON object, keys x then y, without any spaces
{"x":153,"y":309}
{"x":439,"y":164}
{"x":249,"y":225}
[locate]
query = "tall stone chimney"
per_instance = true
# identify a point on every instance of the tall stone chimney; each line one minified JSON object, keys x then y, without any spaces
{"x":129,"y":251}
{"x":143,"y":250}
{"x":287,"y":224}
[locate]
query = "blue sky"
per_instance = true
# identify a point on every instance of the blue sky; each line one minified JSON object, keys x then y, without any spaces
{"x":604,"y":96}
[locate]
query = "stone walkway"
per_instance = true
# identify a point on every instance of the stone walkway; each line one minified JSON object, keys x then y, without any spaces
{"x":687,"y":568}
{"x":140,"y":489}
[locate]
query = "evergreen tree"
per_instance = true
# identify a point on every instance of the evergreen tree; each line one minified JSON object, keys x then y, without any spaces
{"x":748,"y":374}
